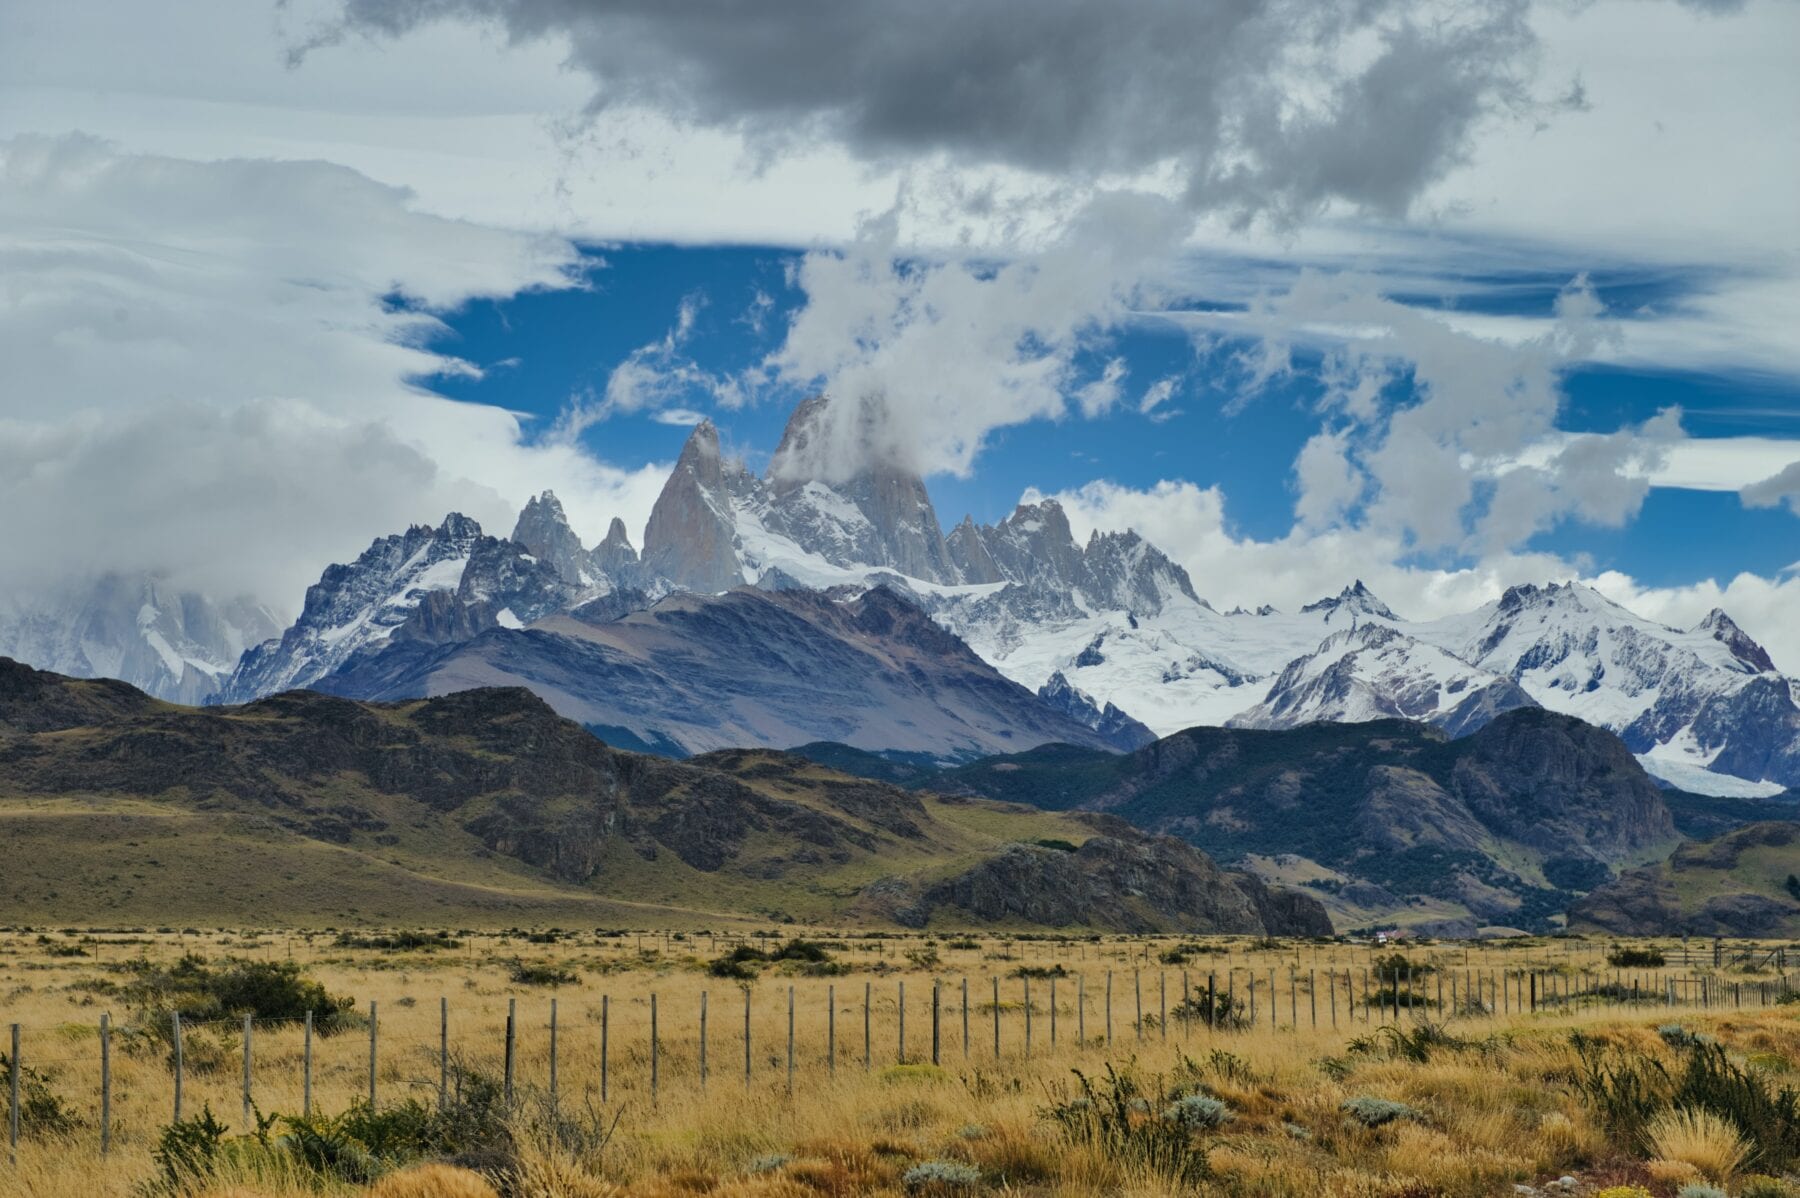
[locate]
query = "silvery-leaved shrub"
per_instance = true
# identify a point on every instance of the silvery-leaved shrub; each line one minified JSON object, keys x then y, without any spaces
{"x":1699,"y":1189}
{"x":1373,"y":1112}
{"x":941,"y":1175}
{"x":1198,"y":1112}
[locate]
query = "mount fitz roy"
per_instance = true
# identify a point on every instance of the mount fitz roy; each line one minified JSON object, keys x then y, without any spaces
{"x":740,"y":580}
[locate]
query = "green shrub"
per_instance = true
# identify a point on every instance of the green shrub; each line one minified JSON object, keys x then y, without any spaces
{"x":1648,"y":957}
{"x":1214,"y":1009}
{"x":1111,"y":1117}
{"x":398,"y":941}
{"x":1041,"y":972}
{"x":41,"y":1112}
{"x":264,"y":990}
{"x":1395,"y":969}
{"x":528,"y":974}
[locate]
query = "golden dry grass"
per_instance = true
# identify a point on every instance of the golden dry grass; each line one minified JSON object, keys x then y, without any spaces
{"x":1487,"y":1118}
{"x":1701,"y":1139}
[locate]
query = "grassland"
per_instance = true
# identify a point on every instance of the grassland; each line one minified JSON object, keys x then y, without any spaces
{"x":1492,"y":1099}
{"x":110,"y":859}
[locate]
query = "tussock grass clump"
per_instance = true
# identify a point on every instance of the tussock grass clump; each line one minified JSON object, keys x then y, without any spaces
{"x":1700,"y":1138}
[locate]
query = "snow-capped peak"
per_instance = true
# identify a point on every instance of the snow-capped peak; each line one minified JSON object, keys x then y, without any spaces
{"x":1353,"y":600}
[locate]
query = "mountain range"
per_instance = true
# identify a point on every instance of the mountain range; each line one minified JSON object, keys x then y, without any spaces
{"x":485,"y":808}
{"x":1386,"y":821}
{"x":1107,"y":642}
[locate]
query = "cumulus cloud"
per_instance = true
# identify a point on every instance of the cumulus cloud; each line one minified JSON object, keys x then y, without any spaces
{"x":1781,"y":487}
{"x":213,"y":371}
{"x":1437,"y":433}
{"x":651,"y":378}
{"x":923,"y":359}
{"x":1264,"y":106}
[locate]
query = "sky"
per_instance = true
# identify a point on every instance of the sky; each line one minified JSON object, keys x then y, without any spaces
{"x":1442,"y":296}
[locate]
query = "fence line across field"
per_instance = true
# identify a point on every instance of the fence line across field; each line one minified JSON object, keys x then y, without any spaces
{"x":1210,"y":1002}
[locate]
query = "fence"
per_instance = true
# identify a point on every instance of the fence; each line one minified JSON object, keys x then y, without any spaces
{"x":1024,"y":1021}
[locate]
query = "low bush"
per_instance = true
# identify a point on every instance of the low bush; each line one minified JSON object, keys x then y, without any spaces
{"x":938,"y":1177}
{"x":353,"y":1147}
{"x":41,"y":1112}
{"x":1376,"y":1112}
{"x":1623,"y":957}
{"x":1113,"y":1116}
{"x":529,"y":974}
{"x":1396,"y":969}
{"x":398,"y":941}
{"x":264,"y":990}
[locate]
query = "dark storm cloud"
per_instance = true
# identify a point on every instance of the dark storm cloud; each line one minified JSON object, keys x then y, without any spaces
{"x":1259,"y":106}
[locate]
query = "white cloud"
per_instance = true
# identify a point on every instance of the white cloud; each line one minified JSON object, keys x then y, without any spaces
{"x":924,"y":359}
{"x":1156,"y":395}
{"x":205,"y":374}
{"x":654,"y":376}
{"x":1783,"y":486}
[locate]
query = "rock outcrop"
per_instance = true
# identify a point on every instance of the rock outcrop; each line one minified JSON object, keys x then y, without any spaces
{"x":1745,"y":883}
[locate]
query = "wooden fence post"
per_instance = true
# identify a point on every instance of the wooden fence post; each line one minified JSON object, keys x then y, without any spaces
{"x":1053,"y":1013}
{"x":655,"y":1053}
{"x":12,"y":1101}
{"x":900,"y":1044}
{"x":935,"y":1013}
{"x":443,"y":1051}
{"x":996,"y":1018}
{"x":965,"y":1016}
{"x":374,"y":1032}
{"x":105,"y":1084}
{"x":1162,"y":1002}
{"x":605,"y":1033}
{"x":790,"y":1046}
{"x":553,"y":1094}
{"x":1081,"y":1008}
{"x":511,"y":1040}
{"x":868,"y":1026}
{"x":831,"y":1027}
{"x":175,"y":1022}
{"x":1137,"y":988}
{"x":1109,"y":1008}
{"x":249,"y":1027}
{"x":1026,"y":982}
{"x":703,"y":1041}
{"x":306,"y":1069}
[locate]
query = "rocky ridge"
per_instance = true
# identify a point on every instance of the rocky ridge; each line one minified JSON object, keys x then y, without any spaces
{"x":496,"y":774}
